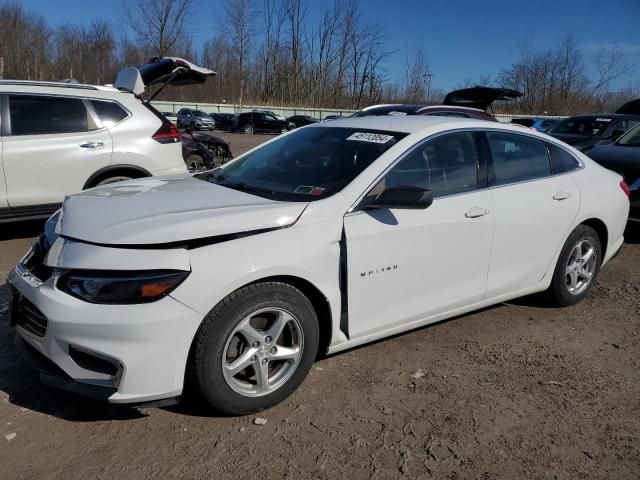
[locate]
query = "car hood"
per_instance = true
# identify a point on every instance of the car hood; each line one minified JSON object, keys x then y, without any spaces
{"x":169,"y":211}
{"x":480,"y":97}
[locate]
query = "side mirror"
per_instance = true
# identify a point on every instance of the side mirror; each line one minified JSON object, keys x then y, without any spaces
{"x":616,"y":134}
{"x":403,"y":196}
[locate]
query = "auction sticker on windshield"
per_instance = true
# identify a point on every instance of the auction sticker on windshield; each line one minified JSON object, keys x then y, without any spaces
{"x":370,"y":137}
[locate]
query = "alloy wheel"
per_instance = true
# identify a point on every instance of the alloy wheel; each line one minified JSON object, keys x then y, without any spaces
{"x":262,"y":352}
{"x":580,"y":267}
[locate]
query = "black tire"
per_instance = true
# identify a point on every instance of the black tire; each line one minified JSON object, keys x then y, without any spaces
{"x":206,"y":360}
{"x":195,"y":162}
{"x":558,"y":291}
{"x":113,"y":179}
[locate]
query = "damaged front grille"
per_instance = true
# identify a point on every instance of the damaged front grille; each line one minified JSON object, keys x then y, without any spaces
{"x":26,"y":315}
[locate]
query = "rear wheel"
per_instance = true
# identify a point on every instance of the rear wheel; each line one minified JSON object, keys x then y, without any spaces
{"x":284,"y":130}
{"x":248,"y":130}
{"x":577,"y":268}
{"x":114,"y":179}
{"x":254,"y":348}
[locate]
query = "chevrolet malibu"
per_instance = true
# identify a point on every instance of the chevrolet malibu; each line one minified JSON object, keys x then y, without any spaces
{"x":230,"y":282}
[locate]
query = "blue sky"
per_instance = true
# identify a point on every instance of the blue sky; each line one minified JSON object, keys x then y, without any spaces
{"x":463,"y":39}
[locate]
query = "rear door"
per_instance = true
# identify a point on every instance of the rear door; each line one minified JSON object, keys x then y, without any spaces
{"x":54,"y":144}
{"x":534,"y":208}
{"x":407,"y":265}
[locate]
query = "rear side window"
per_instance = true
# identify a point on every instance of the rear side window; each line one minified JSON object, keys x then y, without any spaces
{"x":110,"y":113}
{"x":40,"y":114}
{"x":517,"y":158}
{"x":446,"y":165}
{"x":561,"y":160}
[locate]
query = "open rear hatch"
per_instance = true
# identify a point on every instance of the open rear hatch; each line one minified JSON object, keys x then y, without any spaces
{"x":630,"y":108}
{"x":161,"y":71}
{"x":480,"y":97}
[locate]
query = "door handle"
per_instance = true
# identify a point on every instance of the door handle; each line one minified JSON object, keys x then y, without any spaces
{"x":92,"y":145}
{"x":561,"y":196}
{"x":477,"y":212}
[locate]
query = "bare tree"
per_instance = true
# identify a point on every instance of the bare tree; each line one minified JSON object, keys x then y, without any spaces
{"x":160,"y":25}
{"x":238,"y":25}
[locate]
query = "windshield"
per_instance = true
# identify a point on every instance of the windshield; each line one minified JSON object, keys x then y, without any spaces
{"x":582,"y":126}
{"x":631,"y":138}
{"x":305,"y":165}
{"x":200,"y":113}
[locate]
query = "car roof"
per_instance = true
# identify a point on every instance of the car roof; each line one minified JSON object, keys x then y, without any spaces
{"x":406,"y":123}
{"x":77,"y":86}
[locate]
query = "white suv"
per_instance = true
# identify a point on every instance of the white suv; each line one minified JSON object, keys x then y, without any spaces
{"x":60,"y":138}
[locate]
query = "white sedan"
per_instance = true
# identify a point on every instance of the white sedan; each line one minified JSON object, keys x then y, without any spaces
{"x":336,"y":234}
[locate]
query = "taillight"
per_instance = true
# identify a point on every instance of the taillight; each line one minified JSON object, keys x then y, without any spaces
{"x":167,"y":133}
{"x":625,"y":188}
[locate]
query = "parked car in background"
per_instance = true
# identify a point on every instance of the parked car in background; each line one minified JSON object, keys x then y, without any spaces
{"x":236,"y":278}
{"x":544,"y":124}
{"x":525,"y":122}
{"x":334,"y":117}
{"x":395,"y":110}
{"x":203,"y":151}
{"x":195,"y":119}
{"x":623,"y":157}
{"x":464,"y":103}
{"x":60,"y":138}
{"x":473,"y":102}
{"x":302,"y":120}
{"x":586,"y":131}
{"x":171,"y":116}
{"x":223,"y":121}
{"x":260,"y":122}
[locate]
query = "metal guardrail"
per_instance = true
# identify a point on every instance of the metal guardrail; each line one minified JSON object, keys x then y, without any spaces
{"x":284,"y":112}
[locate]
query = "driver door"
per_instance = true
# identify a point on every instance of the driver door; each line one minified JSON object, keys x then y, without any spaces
{"x":407,"y":265}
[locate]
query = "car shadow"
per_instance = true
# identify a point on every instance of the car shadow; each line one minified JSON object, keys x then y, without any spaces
{"x":20,"y":383}
{"x":22,"y":229}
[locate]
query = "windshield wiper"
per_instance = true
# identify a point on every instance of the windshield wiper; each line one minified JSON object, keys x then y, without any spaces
{"x":243,"y":187}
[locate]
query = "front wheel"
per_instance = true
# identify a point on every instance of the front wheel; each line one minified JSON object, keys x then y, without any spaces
{"x":114,"y":179}
{"x":195,"y":162}
{"x":254,"y":348}
{"x":577,"y":268}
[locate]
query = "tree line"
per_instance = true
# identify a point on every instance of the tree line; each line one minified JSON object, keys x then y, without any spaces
{"x":274,"y":52}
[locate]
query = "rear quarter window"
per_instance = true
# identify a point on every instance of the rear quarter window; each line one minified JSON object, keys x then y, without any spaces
{"x":110,"y":113}
{"x":561,"y":160}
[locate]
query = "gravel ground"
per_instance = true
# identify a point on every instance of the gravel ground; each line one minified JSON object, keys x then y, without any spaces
{"x":519,"y":390}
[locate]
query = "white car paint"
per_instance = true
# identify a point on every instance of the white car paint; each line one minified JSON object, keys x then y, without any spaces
{"x":40,"y":170}
{"x":464,"y":252}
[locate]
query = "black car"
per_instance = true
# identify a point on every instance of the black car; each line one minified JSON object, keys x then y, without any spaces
{"x":260,"y":122}
{"x":334,"y":117}
{"x":623,"y":157}
{"x":195,"y":119}
{"x":586,"y":131}
{"x":223,"y":121}
{"x":302,"y":120}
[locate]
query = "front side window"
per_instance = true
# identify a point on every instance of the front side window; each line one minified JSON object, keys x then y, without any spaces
{"x":561,"y":160}
{"x":446,"y":165}
{"x":40,"y":114}
{"x":517,"y":158}
{"x":308,"y":164}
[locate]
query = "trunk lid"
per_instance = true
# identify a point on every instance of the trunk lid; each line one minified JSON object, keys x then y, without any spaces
{"x":480,"y":97}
